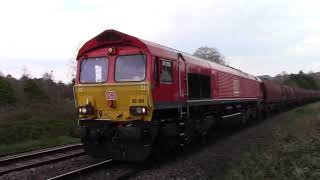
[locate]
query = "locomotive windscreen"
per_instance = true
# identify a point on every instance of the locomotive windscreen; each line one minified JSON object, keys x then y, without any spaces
{"x":93,"y":70}
{"x":130,"y":68}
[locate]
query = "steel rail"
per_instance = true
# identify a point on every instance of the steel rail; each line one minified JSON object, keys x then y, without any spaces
{"x":41,"y":154}
{"x":5,"y":161}
{"x":81,"y":171}
{"x":35,"y":150}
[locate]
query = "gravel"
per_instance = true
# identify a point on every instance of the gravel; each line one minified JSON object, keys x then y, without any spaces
{"x":213,"y":160}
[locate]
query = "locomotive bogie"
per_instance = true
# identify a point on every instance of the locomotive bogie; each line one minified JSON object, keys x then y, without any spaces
{"x":129,"y":141}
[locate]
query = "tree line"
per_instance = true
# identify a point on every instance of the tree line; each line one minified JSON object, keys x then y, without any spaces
{"x":15,"y":93}
{"x":303,"y":80}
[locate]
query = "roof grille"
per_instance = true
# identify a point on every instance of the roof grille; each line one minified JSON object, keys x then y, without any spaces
{"x":109,"y":37}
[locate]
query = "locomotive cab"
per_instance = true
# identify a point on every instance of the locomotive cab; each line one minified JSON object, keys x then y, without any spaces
{"x":113,"y":97}
{"x":113,"y":88}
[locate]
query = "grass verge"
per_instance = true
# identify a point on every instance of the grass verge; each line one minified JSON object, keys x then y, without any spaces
{"x":36,"y":144}
{"x":294,"y":152}
{"x":37,"y":126}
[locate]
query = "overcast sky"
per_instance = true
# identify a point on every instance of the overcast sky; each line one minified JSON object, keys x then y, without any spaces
{"x":258,"y":37}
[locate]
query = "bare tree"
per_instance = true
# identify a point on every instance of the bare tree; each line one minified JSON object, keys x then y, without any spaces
{"x":25,"y":72}
{"x":48,"y":76}
{"x":72,"y":68}
{"x":211,"y":54}
{"x":311,"y":72}
{"x":283,"y":76}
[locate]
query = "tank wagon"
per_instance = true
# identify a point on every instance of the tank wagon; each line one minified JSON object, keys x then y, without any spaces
{"x":133,"y":94}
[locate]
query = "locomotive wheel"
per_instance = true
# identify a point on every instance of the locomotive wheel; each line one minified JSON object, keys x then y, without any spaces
{"x":96,"y":149}
{"x":205,"y":127}
{"x":259,"y":115}
{"x":266,"y":112}
{"x":244,"y":118}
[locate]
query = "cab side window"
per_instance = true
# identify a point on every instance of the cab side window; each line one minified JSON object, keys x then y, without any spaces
{"x":166,"y":75}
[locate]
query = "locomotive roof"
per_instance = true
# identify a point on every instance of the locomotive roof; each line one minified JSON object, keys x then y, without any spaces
{"x":113,"y":37}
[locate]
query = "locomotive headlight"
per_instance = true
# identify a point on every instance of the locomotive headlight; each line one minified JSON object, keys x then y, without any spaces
{"x":144,"y":110}
{"x":112,"y":50}
{"x":138,"y":110}
{"x":84,"y":110}
{"x":88,"y":109}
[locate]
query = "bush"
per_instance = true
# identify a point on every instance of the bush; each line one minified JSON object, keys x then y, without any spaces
{"x":33,"y":91}
{"x":303,"y":81}
{"x":293,"y":154}
{"x":43,"y":115}
{"x":37,"y":121}
{"x":7,"y":94}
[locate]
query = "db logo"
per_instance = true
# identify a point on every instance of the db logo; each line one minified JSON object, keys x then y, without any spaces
{"x":111,"y":95}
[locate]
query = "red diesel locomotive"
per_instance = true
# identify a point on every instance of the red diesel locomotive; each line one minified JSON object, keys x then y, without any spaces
{"x":132,"y":94}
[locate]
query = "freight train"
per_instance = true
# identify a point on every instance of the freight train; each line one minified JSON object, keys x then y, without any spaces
{"x":132,"y":95}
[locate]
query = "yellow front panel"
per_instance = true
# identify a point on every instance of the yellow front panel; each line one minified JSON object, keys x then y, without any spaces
{"x":127,"y":94}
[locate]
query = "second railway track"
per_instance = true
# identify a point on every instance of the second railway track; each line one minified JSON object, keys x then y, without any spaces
{"x":81,"y":171}
{"x":39,"y":158}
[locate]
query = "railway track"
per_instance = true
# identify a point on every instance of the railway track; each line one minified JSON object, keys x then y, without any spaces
{"x":82,"y":171}
{"x":117,"y":171}
{"x":29,"y":160}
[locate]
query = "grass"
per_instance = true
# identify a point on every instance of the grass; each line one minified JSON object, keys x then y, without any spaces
{"x":36,"y":144}
{"x":293,"y":154}
{"x":39,"y":125}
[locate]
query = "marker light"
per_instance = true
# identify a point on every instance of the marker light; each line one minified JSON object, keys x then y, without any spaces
{"x":138,"y":110}
{"x":87,"y":109}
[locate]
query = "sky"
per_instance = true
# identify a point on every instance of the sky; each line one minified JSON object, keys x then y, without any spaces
{"x":259,"y":37}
